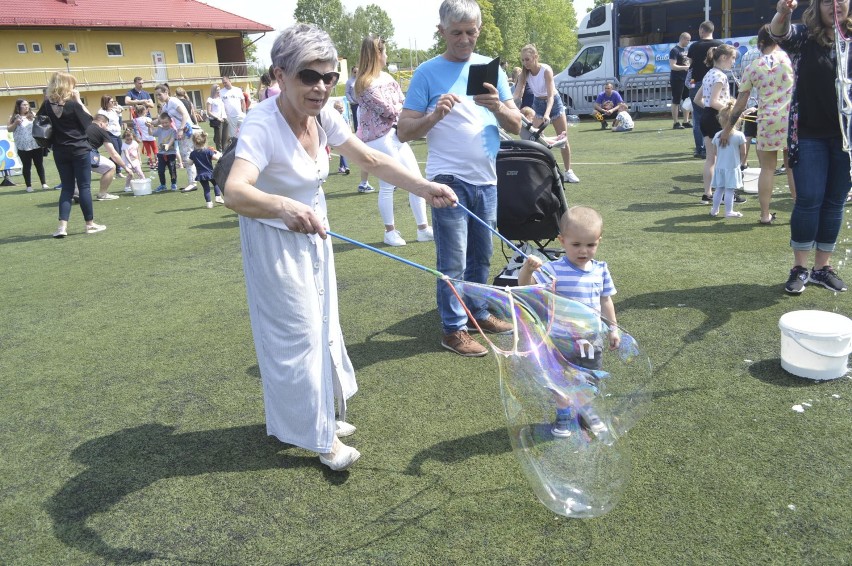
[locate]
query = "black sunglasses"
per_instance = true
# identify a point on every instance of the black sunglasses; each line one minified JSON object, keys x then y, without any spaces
{"x":309,"y":77}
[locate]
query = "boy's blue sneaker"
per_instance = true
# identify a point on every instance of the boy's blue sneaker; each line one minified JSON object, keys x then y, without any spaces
{"x":160,"y":189}
{"x":174,"y":186}
{"x":564,"y":419}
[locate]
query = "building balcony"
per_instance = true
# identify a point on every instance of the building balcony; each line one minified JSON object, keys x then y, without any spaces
{"x":25,"y":82}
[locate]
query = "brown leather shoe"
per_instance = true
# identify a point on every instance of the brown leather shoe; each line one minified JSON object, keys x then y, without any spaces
{"x":462,"y":344}
{"x":494,"y":325}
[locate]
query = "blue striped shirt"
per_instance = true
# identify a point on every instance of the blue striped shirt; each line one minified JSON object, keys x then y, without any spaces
{"x":586,"y":287}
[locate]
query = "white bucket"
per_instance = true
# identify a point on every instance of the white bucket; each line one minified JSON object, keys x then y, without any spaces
{"x":750,"y":176}
{"x":141,"y":187}
{"x":815,"y":344}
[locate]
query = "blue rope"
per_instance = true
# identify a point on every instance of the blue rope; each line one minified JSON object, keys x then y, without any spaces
{"x":386,"y":254}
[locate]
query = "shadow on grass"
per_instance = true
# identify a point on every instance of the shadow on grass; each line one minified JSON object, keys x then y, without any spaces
{"x":422,"y":338}
{"x":717,"y":302}
{"x":23,"y":239}
{"x":489,"y":443}
{"x":771,"y":372}
{"x":224,"y":224}
{"x":132,"y":459}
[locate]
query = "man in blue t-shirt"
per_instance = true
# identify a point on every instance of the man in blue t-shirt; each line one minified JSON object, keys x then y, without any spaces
{"x":463,"y":137}
{"x":608,"y":104}
{"x":138,"y":96}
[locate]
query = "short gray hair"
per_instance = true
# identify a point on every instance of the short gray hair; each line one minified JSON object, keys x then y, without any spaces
{"x":456,"y":11}
{"x":300,"y":45}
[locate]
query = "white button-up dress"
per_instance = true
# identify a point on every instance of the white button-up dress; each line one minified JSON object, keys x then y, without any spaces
{"x":291,"y":285}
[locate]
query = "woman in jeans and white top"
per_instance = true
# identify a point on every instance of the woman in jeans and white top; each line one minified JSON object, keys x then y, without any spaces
{"x":217,"y":119}
{"x":380,"y":99}
{"x":21,"y":126}
{"x":547,"y":102}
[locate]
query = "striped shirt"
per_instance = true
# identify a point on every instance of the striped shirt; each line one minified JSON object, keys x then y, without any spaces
{"x":583,"y":286}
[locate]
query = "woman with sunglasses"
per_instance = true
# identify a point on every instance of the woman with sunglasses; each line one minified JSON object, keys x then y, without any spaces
{"x":275,"y":185}
{"x":815,"y":142}
{"x":379,"y":98}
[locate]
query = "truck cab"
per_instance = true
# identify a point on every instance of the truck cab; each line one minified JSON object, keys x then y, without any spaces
{"x":628,"y":42}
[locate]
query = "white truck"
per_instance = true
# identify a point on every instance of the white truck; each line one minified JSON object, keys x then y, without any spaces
{"x":628,"y":42}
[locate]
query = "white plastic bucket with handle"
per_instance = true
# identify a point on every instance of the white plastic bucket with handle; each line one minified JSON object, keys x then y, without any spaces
{"x":141,"y":187}
{"x":750,"y":177}
{"x":815,"y":344}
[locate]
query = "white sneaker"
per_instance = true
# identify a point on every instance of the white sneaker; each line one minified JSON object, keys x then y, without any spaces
{"x":570,"y":177}
{"x":29,"y":189}
{"x":365,"y":188}
{"x":425,"y":235}
{"x":189,"y":188}
{"x":219,"y":200}
{"x":393,"y":238}
{"x":341,"y":458}
{"x":128,"y":190}
{"x":107,"y":196}
{"x":45,"y":187}
{"x":342,"y":428}
{"x":209,"y":205}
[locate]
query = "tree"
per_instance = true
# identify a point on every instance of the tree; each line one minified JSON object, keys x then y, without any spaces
{"x":597,"y":4}
{"x":325,"y":14}
{"x":366,"y":20}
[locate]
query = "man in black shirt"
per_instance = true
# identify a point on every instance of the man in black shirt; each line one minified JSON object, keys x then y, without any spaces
{"x":99,"y":137}
{"x":697,"y":69}
{"x":679,"y":65}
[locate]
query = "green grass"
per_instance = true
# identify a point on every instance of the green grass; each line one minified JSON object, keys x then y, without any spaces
{"x":132,"y":418}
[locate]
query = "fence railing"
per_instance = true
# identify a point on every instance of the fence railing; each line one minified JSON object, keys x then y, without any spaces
{"x":13,"y":81}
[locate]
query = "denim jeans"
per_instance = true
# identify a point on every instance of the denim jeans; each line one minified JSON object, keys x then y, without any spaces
{"x":696,"y":121}
{"x":822,"y":183}
{"x":74,"y":170}
{"x":463,"y":248}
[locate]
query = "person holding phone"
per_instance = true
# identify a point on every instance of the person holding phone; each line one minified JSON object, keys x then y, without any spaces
{"x":463,"y":140}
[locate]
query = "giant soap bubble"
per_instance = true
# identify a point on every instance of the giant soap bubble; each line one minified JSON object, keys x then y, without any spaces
{"x":558,"y":356}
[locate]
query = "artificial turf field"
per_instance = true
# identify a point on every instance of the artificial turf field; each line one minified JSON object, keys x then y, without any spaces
{"x":132,"y":418}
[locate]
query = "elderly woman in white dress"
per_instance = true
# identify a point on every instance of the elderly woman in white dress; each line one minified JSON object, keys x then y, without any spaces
{"x":275,"y":185}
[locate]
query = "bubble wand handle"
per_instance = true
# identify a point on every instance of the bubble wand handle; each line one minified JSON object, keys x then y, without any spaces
{"x":436,"y":273}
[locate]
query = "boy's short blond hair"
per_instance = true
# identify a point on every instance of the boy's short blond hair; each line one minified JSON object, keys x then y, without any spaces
{"x":338,"y":105}
{"x":528,"y":112}
{"x":582,"y":216}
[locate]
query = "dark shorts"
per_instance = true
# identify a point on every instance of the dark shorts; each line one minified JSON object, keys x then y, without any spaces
{"x":750,"y":126}
{"x":710,"y":122}
{"x":679,"y":90}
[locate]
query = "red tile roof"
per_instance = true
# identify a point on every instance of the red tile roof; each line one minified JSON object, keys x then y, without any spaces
{"x":107,"y":14}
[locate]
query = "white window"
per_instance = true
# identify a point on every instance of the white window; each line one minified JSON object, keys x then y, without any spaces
{"x":195,"y":97}
{"x":22,"y":48}
{"x":184,"y":53}
{"x":36,"y":47}
{"x":72,"y":47}
{"x":114,"y":50}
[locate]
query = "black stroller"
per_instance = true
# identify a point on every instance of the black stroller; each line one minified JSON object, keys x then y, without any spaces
{"x":530,"y":201}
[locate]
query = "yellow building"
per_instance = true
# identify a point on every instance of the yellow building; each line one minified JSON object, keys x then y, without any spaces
{"x":104,"y":45}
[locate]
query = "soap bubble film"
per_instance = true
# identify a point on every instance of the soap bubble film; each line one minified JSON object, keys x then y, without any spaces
{"x":569,"y":399}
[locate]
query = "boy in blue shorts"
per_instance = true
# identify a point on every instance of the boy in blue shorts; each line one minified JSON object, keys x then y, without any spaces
{"x":580,"y":277}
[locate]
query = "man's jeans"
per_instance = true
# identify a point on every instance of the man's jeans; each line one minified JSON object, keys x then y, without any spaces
{"x":463,"y":248}
{"x":822,"y":183}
